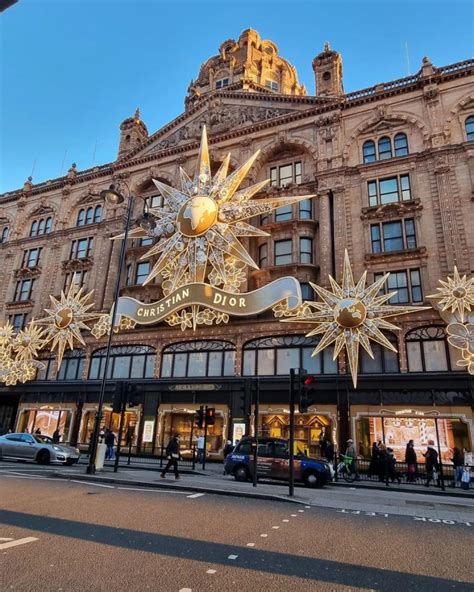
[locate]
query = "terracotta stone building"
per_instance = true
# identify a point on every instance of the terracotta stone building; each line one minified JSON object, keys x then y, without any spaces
{"x":392,"y":169}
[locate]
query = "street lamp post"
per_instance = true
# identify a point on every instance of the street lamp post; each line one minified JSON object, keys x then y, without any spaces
{"x":113,"y":197}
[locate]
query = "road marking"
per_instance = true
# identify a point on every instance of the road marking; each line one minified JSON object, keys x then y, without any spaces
{"x":185,"y":590}
{"x":17,"y":542}
{"x":301,"y":511}
{"x":264,"y":535}
{"x":194,"y":495}
{"x":12,"y":476}
{"x":6,"y":539}
{"x":211,"y":571}
{"x":95,"y":484}
{"x":293,"y":515}
{"x":250,"y":544}
{"x":232,"y":557}
{"x":307,"y":507}
{"x":276,"y":527}
{"x":285,"y":520}
{"x":150,"y":490}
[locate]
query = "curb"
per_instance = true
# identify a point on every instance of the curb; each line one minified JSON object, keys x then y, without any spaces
{"x":190,"y":488}
{"x":451,"y":492}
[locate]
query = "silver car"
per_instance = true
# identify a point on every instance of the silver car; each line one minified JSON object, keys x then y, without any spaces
{"x":35,"y":447}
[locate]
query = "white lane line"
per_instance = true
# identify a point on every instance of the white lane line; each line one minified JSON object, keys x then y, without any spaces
{"x":293,"y":515}
{"x":17,"y":542}
{"x":250,"y":544}
{"x":150,"y":490}
{"x":264,"y":535}
{"x":6,"y":539}
{"x":211,"y":571}
{"x":275,"y":527}
{"x":301,"y":511}
{"x":307,"y":507}
{"x":26,"y":477}
{"x":285,"y":520}
{"x":185,"y":590}
{"x":232,"y":557}
{"x":95,"y":484}
{"x":194,"y":495}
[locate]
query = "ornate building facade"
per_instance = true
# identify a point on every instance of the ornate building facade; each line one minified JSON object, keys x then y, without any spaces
{"x":392,"y":169}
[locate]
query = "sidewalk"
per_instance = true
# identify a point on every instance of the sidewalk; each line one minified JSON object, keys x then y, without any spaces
{"x":346,"y":497}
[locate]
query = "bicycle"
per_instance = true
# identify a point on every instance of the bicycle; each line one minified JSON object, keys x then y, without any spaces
{"x":344,"y":469}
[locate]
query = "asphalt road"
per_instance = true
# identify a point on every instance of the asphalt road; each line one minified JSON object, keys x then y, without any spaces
{"x":98,"y":538}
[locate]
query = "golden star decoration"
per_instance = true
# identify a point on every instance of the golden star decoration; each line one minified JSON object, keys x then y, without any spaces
{"x":461,"y":336}
{"x":456,"y":294}
{"x":18,"y":352}
{"x":66,"y":318}
{"x":199,"y":226}
{"x":351,"y":316}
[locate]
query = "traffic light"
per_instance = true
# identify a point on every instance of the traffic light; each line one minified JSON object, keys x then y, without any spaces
{"x":306,"y":391}
{"x":244,"y":406}
{"x":210,"y":416}
{"x":200,"y":417}
{"x":118,"y":397}
{"x":134,"y":397}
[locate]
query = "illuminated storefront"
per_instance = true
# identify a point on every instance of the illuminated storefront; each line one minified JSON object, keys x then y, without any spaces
{"x":112,"y":421}
{"x":47,"y":420}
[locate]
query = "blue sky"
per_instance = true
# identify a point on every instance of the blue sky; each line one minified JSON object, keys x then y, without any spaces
{"x":72,"y":70}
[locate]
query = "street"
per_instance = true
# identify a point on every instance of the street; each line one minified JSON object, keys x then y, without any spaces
{"x":73,"y":535}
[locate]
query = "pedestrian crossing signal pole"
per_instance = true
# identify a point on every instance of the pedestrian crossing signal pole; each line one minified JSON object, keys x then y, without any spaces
{"x":256,"y":414}
{"x":292,"y":434}
{"x":205,"y":439}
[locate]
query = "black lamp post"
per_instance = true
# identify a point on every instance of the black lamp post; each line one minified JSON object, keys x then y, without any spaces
{"x":113,"y":197}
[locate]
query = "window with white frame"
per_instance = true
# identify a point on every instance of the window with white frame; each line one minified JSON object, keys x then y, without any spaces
{"x":407,"y":283}
{"x":396,"y":235}
{"x":198,"y":359}
{"x":81,"y":248}
{"x":390,"y":190}
{"x":222,"y":83}
{"x":272,"y":84}
{"x":285,"y":174}
{"x":429,"y":351}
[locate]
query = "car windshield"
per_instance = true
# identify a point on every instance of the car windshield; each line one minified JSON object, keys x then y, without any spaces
{"x":42,"y":439}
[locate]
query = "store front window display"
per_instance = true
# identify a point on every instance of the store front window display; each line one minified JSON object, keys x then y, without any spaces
{"x":311,"y":430}
{"x":112,"y":421}
{"x":47,"y":421}
{"x":397,"y":431}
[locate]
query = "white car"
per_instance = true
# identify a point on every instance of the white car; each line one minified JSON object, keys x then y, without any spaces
{"x":38,"y":448}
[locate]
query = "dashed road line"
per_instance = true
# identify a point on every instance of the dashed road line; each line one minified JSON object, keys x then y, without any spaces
{"x":185,"y":590}
{"x":194,"y":495}
{"x":232,"y":557}
{"x":94,"y":484}
{"x":211,"y":571}
{"x":275,"y":527}
{"x":151,"y":490}
{"x":293,"y":515}
{"x":285,"y":520}
{"x":6,"y":539}
{"x":17,"y":542}
{"x":264,"y":536}
{"x":250,"y":545}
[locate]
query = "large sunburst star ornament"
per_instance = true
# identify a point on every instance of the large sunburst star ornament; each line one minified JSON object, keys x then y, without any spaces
{"x":66,"y":318}
{"x":351,"y":316}
{"x":199,"y":228}
{"x":456,"y":294}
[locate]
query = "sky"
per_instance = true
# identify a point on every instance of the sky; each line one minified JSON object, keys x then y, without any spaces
{"x":73,"y":70}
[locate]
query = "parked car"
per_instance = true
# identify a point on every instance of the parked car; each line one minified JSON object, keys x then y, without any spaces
{"x":273,"y":463}
{"x":37,"y":448}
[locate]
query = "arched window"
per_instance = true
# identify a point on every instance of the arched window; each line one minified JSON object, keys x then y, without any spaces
{"x":368,"y":151}
{"x":97,"y":214}
{"x":429,"y":351}
{"x":4,"y":235}
{"x":384,"y":360}
{"x":41,"y":226}
{"x":89,"y":215}
{"x":81,"y":217}
{"x":198,"y":358}
{"x":385,"y":148}
{"x":34,"y":228}
{"x":401,"y":144}
{"x":469,"y":125}
{"x":72,"y":365}
{"x":272,"y":356}
{"x":49,"y":224}
{"x":126,"y":361}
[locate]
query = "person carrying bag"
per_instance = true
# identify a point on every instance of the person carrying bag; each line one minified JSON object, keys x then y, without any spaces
{"x":173,"y":455}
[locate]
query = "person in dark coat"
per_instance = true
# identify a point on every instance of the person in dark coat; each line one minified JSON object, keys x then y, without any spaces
{"x":228,"y":449}
{"x":329,"y":454}
{"x":109,"y":441}
{"x":381,"y":463}
{"x":458,"y":462}
{"x":56,"y":436}
{"x":411,"y":461}
{"x":374,"y":459}
{"x":431,"y":463}
{"x":172,"y":454}
{"x":391,"y":467}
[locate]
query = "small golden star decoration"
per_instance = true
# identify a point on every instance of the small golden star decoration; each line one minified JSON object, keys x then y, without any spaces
{"x":198,"y":228}
{"x":350,"y":316}
{"x":66,"y":318}
{"x":456,"y":294}
{"x":18,"y":353}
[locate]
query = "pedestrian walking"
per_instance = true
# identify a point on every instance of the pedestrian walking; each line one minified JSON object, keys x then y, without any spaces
{"x":381,"y":461}
{"x":173,"y":455}
{"x":228,"y":449}
{"x":200,"y":448}
{"x":458,"y":463}
{"x":109,"y":441}
{"x":351,"y":452}
{"x":56,"y":436}
{"x":411,"y":461}
{"x":329,"y":451}
{"x":374,"y":459}
{"x":431,"y":464}
{"x":390,"y":467}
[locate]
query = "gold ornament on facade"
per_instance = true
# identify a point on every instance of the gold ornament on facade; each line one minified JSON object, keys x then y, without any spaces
{"x":350,"y":316}
{"x":456,"y":294}
{"x":198,"y":231}
{"x":66,"y":319}
{"x":17,"y":354}
{"x":461,"y":336}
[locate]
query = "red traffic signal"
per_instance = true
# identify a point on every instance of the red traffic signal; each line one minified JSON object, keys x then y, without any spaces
{"x":210,"y":416}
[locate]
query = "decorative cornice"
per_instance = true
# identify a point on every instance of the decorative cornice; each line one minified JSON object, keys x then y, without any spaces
{"x":418,"y":255}
{"x":393,"y":210}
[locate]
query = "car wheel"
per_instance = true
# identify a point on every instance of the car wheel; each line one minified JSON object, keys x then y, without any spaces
{"x":241,"y":473}
{"x":43,"y":457}
{"x":313,"y":479}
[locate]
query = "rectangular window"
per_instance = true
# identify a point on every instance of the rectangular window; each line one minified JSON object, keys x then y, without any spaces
{"x":263,"y":255}
{"x":306,"y":250}
{"x":31,"y":257}
{"x":285,"y":174}
{"x":307,"y":292}
{"x":272,"y":84}
{"x":406,"y":283}
{"x":81,"y":248}
{"x":306,"y":209}
{"x":283,"y":252}
{"x":18,"y":321}
{"x":77,"y":277}
{"x":391,"y":190}
{"x":287,"y":358}
{"x":142,"y":271}
{"x":23,"y":290}
{"x":155,"y":201}
{"x":144,"y":242}
{"x":393,"y":236}
{"x":284,"y":213}
{"x":128,"y":275}
{"x":223,"y":82}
